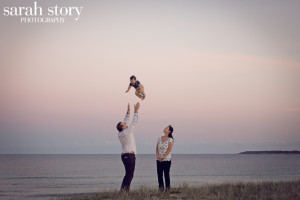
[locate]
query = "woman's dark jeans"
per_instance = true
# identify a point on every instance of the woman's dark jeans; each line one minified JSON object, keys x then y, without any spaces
{"x":163,"y":167}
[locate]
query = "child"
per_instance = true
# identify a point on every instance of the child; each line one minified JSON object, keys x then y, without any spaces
{"x":138,"y":86}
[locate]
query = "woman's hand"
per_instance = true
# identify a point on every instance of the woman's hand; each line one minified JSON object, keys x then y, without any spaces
{"x":160,"y":158}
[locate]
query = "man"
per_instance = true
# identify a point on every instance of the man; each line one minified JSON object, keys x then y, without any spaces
{"x":127,"y":141}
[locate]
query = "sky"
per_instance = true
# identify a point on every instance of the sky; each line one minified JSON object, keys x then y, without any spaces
{"x":224,"y":74}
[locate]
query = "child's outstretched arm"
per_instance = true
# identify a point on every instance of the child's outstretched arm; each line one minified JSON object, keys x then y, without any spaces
{"x":128,"y":88}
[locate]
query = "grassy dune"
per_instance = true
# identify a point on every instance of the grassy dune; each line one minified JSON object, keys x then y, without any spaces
{"x":251,"y":191}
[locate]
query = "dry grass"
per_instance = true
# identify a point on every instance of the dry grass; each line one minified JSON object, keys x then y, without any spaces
{"x":242,"y":191}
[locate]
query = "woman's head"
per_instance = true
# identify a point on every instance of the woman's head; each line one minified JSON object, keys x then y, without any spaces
{"x":169,"y":130}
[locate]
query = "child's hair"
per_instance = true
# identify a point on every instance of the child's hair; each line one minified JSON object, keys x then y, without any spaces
{"x":132,"y":77}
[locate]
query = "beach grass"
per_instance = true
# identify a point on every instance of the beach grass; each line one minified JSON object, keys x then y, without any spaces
{"x":281,"y":190}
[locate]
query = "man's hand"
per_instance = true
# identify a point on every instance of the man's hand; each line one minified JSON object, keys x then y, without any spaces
{"x":136,"y":107}
{"x":128,"y":109}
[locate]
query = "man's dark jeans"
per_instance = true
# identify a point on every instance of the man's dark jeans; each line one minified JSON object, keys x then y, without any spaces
{"x":163,"y":167}
{"x":129,"y":164}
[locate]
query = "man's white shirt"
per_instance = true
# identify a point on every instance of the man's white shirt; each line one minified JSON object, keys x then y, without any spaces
{"x":126,"y":136}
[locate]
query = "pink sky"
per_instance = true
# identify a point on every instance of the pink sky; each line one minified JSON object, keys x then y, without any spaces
{"x":227,"y":80}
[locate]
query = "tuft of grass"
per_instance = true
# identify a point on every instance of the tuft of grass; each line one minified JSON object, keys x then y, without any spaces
{"x":234,"y":191}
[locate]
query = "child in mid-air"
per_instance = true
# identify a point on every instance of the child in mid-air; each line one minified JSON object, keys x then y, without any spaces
{"x":139,"y":88}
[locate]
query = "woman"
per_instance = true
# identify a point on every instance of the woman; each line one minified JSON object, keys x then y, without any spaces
{"x":163,"y":153}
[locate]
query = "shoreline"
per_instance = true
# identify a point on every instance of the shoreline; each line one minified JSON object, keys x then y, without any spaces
{"x":241,"y":190}
{"x":295,"y":152}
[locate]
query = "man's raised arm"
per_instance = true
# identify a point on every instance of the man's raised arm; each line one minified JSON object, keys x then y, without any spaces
{"x":126,"y":120}
{"x":136,"y":116}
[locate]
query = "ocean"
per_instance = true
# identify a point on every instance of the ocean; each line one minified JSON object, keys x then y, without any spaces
{"x":50,"y":176}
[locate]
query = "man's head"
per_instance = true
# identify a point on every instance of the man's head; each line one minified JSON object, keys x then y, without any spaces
{"x":132,"y":79}
{"x":121,"y":126}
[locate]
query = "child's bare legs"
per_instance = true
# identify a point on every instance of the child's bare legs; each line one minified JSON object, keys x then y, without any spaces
{"x":140,"y":92}
{"x":137,"y":93}
{"x":141,"y":89}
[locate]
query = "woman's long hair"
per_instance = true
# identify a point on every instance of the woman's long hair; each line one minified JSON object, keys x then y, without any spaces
{"x":171,"y":131}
